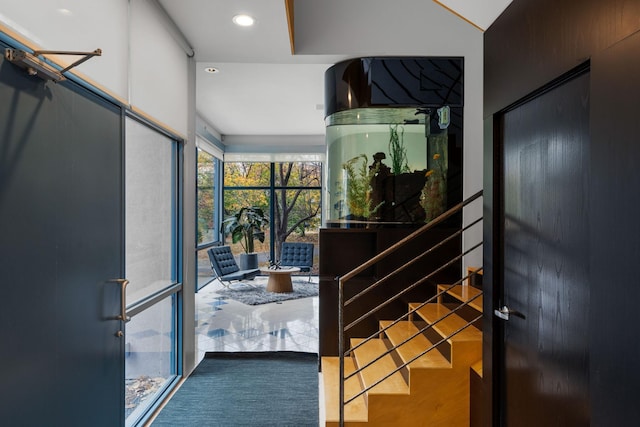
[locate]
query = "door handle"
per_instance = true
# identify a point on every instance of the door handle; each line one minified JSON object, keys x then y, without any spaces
{"x":505,"y":312}
{"x":123,"y":299}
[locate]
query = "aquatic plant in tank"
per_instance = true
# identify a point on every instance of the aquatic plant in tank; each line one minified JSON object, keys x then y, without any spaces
{"x":385,"y":166}
{"x":394,"y":140}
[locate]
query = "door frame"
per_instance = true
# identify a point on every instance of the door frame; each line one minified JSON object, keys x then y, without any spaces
{"x":518,"y":59}
{"x":176,"y":289}
{"x":498,"y":289}
{"x":65,"y":116}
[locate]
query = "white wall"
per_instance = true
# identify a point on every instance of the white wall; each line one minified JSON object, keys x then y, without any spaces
{"x":473,"y":148}
{"x":86,"y":26}
{"x":141,"y":64}
{"x":159,"y":67}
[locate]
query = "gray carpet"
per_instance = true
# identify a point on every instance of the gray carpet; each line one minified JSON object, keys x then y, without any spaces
{"x":254,"y":292}
{"x":247,"y":389}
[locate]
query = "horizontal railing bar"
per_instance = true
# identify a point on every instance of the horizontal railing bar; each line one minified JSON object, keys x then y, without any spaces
{"x":411,"y":287}
{"x":421,"y":331}
{"x":419,"y":306}
{"x":411,"y":236}
{"x":411,"y":262}
{"x":341,"y":304}
{"x":442,"y":341}
{"x":366,"y":389}
{"x":410,"y":312}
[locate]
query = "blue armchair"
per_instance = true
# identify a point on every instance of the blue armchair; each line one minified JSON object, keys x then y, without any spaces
{"x":295,"y":254}
{"x":225,"y":267}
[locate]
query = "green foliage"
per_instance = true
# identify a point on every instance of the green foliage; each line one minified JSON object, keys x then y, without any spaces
{"x":397,"y":150}
{"x":433,"y":197}
{"x":294,"y":207}
{"x":246,"y":225}
{"x":359,"y":186}
{"x":205,"y":173}
{"x":245,"y":174}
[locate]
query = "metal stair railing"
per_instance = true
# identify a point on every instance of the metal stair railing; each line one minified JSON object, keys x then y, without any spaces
{"x":342,"y":328}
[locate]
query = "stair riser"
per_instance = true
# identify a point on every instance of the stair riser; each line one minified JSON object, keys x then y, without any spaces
{"x":432,"y":409}
{"x":465,"y":354}
{"x":356,"y":410}
{"x":434,"y":392}
{"x":459,"y":353}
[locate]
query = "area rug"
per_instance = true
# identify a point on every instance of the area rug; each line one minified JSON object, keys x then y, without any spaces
{"x":247,"y":389}
{"x":254,"y":292}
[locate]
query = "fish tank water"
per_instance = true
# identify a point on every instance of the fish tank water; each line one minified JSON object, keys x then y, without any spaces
{"x":394,"y":135}
{"x":386,"y":166}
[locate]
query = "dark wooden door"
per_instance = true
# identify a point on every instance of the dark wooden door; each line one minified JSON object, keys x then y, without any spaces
{"x":61,"y":361}
{"x":545,"y":358}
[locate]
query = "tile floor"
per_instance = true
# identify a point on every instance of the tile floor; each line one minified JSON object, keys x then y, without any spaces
{"x":227,"y":325}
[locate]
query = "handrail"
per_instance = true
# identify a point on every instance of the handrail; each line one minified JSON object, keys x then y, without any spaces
{"x":411,"y":262}
{"x":342,"y":329}
{"x":437,"y":220}
{"x":413,"y":286}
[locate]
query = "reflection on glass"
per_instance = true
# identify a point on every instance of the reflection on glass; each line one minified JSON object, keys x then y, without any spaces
{"x":149,"y":364}
{"x":205,"y":193}
{"x":385,"y":165}
{"x":204,"y":272}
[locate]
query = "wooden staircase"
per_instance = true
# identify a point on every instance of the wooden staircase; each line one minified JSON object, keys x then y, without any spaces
{"x":433,"y":389}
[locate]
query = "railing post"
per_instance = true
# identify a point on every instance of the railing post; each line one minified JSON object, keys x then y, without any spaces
{"x":341,"y":349}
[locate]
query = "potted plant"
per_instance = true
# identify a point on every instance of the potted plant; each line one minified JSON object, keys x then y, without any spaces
{"x":245,"y":226}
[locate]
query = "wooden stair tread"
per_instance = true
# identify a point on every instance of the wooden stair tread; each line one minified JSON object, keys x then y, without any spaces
{"x":478,"y":270}
{"x":395,"y":384}
{"x":477,"y":368}
{"x":355,"y":411}
{"x":464,"y":293}
{"x":403,"y":330}
{"x":433,"y":312}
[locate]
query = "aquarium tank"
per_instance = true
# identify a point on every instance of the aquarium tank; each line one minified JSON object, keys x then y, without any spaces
{"x":389,"y":163}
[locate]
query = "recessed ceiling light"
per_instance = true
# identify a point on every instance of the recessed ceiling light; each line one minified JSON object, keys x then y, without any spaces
{"x":65,"y":12}
{"x":212,"y":70}
{"x":244,"y":20}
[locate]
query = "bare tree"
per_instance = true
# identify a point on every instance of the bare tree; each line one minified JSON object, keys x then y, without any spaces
{"x":294,"y":207}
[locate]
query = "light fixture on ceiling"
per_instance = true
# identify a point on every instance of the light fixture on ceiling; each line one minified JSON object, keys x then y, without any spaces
{"x":211,"y":70}
{"x":65,"y":12}
{"x":243,"y":20}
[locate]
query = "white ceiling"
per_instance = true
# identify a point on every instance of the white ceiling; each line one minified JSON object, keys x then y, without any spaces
{"x":262,"y":89}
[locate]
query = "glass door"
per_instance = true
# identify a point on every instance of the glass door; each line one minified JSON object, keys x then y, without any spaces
{"x":152,"y":265}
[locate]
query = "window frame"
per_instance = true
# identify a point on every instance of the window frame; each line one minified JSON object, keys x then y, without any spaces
{"x":272,"y":188}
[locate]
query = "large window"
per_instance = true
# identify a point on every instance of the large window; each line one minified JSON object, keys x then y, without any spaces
{"x":297,"y":203}
{"x":208,"y":217}
{"x":289,"y":193}
{"x":206,"y":190}
{"x":151,"y":266}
